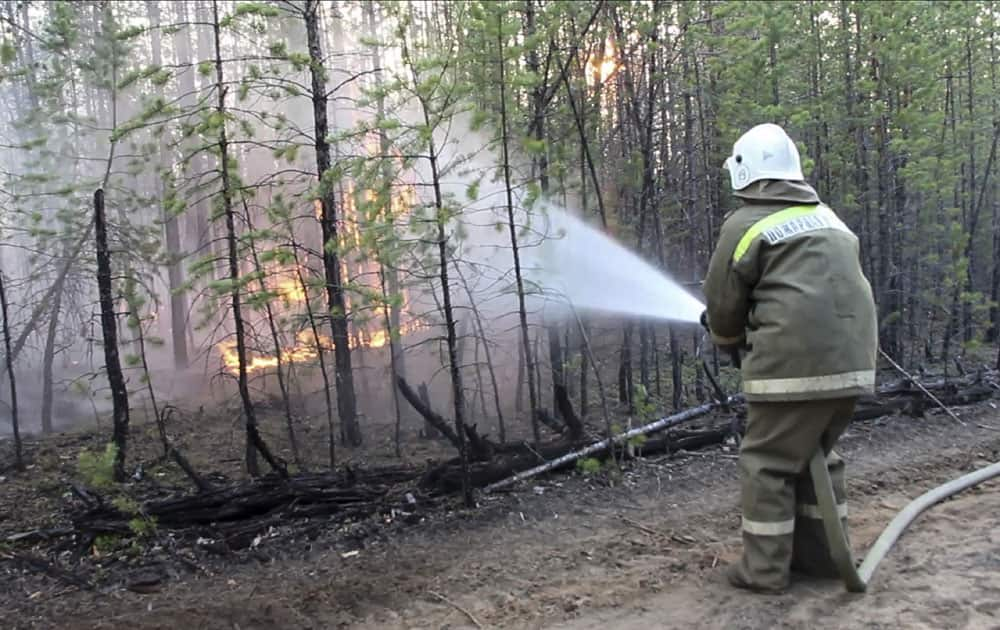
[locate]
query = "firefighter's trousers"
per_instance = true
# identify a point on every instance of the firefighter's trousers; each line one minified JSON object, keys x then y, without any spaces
{"x":782,"y":527}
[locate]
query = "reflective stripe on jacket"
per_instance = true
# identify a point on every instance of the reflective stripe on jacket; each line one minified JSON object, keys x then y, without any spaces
{"x":785,"y":282}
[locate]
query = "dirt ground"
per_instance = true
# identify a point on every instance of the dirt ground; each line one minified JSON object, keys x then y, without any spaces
{"x":573,"y":552}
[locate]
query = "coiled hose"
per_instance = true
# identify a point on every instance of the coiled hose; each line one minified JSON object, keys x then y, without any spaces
{"x":857,"y":579}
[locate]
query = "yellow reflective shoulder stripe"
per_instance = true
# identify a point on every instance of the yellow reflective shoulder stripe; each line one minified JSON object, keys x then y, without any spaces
{"x":789,"y":222}
{"x":766,"y":528}
{"x":767,"y":223}
{"x":809,"y":384}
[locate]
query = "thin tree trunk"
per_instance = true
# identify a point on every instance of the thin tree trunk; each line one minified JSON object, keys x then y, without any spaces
{"x":993,"y":333}
{"x":393,"y":364}
{"x":255,"y":443}
{"x":45,"y":303}
{"x":18,"y":456}
{"x":346,"y":401}
{"x":584,"y":395}
{"x":109,"y":330}
{"x":625,"y":368}
{"x":276,"y":340}
{"x":48,"y":358}
{"x":390,"y":275}
{"x":198,"y":230}
{"x":970,"y":250}
{"x":320,"y":354}
{"x":175,"y":277}
{"x":454,"y":368}
{"x":522,"y":311}
{"x":481,"y":334}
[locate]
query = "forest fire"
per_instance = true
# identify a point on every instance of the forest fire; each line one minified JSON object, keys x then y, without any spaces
{"x":290,"y":289}
{"x":306,"y":348}
{"x":601,"y":67}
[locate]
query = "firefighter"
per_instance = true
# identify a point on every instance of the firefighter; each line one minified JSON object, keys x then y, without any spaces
{"x":785,"y":287}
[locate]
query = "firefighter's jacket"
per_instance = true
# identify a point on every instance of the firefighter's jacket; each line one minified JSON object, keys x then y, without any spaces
{"x":785,"y":284}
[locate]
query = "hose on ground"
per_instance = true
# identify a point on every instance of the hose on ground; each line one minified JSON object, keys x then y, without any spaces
{"x":857,"y":579}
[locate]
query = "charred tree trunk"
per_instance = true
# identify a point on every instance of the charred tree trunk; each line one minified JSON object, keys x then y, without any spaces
{"x":346,"y":401}
{"x":255,"y":443}
{"x":458,"y":391}
{"x":109,"y":331}
{"x":625,"y":369}
{"x":18,"y":457}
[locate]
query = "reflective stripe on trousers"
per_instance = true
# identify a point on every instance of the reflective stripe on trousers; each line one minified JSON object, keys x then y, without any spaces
{"x":768,"y":528}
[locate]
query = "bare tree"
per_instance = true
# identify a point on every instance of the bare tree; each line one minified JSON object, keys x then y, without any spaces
{"x":18,"y":457}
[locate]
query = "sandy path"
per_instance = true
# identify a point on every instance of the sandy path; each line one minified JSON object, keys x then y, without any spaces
{"x":945,"y":573}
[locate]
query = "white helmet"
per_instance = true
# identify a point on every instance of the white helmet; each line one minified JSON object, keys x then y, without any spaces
{"x":764,"y":152}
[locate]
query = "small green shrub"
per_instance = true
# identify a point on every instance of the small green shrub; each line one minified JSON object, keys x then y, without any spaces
{"x":97,"y":469}
{"x":142,"y":526}
{"x":589,"y":465}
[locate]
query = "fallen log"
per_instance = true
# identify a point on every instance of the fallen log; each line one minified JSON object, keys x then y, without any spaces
{"x":898,"y":398}
{"x":235,"y":514}
{"x":605,"y":444}
{"x":238,"y":512}
{"x":922,"y":388}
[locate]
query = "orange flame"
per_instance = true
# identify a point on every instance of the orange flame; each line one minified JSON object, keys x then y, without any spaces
{"x":286,"y":282}
{"x":305,"y":348}
{"x":601,"y":68}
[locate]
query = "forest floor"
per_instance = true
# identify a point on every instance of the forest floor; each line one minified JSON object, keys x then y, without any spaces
{"x":569,"y":551}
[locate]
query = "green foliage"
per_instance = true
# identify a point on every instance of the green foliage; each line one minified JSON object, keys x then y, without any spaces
{"x":8,"y":54}
{"x":645,"y":406}
{"x":589,"y":465}
{"x":142,"y":526}
{"x":97,"y":469}
{"x":107,"y":543}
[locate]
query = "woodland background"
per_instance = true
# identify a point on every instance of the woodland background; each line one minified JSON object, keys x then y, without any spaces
{"x":293,"y":195}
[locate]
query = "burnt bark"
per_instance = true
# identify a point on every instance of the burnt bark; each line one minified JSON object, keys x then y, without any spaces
{"x":336,"y":302}
{"x":109,"y":331}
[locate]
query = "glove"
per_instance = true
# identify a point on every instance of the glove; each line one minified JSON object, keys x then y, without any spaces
{"x":733,"y":351}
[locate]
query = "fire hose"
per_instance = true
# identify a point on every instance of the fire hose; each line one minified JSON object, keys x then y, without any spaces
{"x":857,"y":577}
